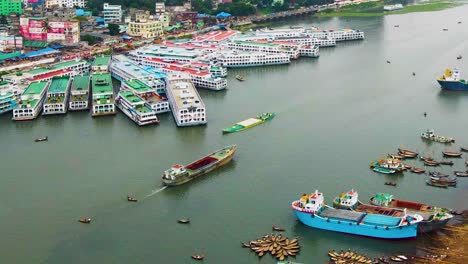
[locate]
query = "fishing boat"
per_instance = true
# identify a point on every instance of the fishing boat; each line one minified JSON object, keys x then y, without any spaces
{"x":41,"y":139}
{"x":277,"y":228}
{"x":417,"y":170}
{"x":450,"y":163}
{"x":179,"y":174}
{"x":461,"y":173}
{"x":448,"y":180}
{"x":407,"y":153}
{"x":312,"y":211}
{"x":451,"y":80}
{"x":240,"y":77}
{"x":452,"y":154}
{"x":463,"y":149}
{"x":251,"y":122}
{"x":184,"y":221}
{"x":388,"y":163}
{"x":85,"y":220}
{"x":390,"y":183}
{"x":429,"y":135}
{"x":437,"y":174}
{"x":433,"y":217}
{"x":395,"y":156}
{"x":198,"y":257}
{"x":437,"y":184}
{"x":131,"y":199}
{"x":431,"y":163}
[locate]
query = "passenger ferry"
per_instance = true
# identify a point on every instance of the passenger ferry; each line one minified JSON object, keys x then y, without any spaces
{"x":201,"y":79}
{"x":101,"y":64}
{"x":103,"y":95}
{"x":57,"y":96}
{"x":187,"y":107}
{"x":79,"y":99}
{"x":312,"y":211}
{"x":265,"y":46}
{"x":310,"y":51}
{"x":30,"y":104}
{"x":232,"y":59}
{"x":135,"y":108}
{"x":311,"y":41}
{"x":9,"y":97}
{"x":156,"y":102}
{"x":336,"y":34}
{"x":123,"y":69}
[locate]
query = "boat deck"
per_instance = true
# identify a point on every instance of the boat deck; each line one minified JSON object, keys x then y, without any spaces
{"x":371,"y":209}
{"x":342,"y":214}
{"x":381,"y":220}
{"x":249,"y":122}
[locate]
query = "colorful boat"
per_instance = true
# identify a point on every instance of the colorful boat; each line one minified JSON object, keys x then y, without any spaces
{"x":388,"y":165}
{"x":433,"y":217}
{"x":251,"y":122}
{"x":311,"y":211}
{"x":9,"y":96}
{"x":179,"y":174}
{"x":429,"y":135}
{"x":135,"y":108}
{"x":451,"y":80}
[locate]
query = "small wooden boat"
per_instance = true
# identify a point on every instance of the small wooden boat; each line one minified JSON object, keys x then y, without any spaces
{"x":408,"y":167}
{"x":447,"y":180}
{"x":183,"y":221}
{"x":417,"y":170}
{"x":395,"y":156}
{"x":85,"y":220}
{"x":396,"y":25}
{"x":402,"y":257}
{"x":452,"y":154}
{"x":461,"y":173}
{"x":390,"y":183}
{"x":437,"y":174}
{"x":463,"y":149}
{"x":247,"y":245}
{"x":437,"y":184}
{"x":431,"y":163}
{"x":276,"y":228}
{"x":450,"y":163}
{"x":240,"y":77}
{"x":198,"y":257}
{"x":132,"y":199}
{"x":407,"y":152}
{"x":41,"y":139}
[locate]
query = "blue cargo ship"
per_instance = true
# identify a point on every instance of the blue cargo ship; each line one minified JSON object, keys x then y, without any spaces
{"x":312,"y":211}
{"x":451,"y":81}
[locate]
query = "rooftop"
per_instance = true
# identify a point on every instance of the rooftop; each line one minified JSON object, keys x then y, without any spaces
{"x":102,"y":83}
{"x":35,"y":88}
{"x":59,"y":84}
{"x":184,"y":92}
{"x":101,"y":61}
{"x":138,"y":86}
{"x":80,"y":83}
{"x":137,"y":103}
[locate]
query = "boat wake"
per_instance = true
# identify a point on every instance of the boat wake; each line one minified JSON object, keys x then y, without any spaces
{"x":154,"y":192}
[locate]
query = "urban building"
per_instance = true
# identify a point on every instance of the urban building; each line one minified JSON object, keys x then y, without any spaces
{"x":11,"y":6}
{"x":65,"y":3}
{"x":41,"y":29}
{"x":8,"y":42}
{"x":160,"y":9}
{"x":144,"y":26}
{"x":112,"y":13}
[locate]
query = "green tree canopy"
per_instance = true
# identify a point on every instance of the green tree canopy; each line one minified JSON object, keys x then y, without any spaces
{"x":114,"y":29}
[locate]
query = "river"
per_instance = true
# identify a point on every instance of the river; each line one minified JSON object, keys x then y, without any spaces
{"x":335,"y":115}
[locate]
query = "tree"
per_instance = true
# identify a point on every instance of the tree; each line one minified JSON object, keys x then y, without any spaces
{"x":114,"y":29}
{"x":45,"y":26}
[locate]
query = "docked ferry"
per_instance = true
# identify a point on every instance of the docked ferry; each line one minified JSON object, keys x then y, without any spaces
{"x":103,"y":95}
{"x":291,"y":48}
{"x":179,"y":174}
{"x":57,"y":96}
{"x":202,"y":79}
{"x":9,"y":97}
{"x":187,"y":107}
{"x":231,"y":59}
{"x":79,"y":99}
{"x":31,"y":101}
{"x":135,"y":108}
{"x":336,"y":34}
{"x":312,"y":211}
{"x":451,"y":81}
{"x":155,"y":101}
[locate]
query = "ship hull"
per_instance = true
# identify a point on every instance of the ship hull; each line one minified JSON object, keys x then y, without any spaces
{"x":429,"y":226}
{"x":351,"y":227}
{"x":134,"y":118}
{"x":190,"y":176}
{"x":453,"y":86}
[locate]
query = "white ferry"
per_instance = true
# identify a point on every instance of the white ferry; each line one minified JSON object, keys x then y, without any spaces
{"x":310,"y":51}
{"x":101,"y":64}
{"x":30,"y":104}
{"x":264,"y":46}
{"x":187,"y":107}
{"x":57,"y":96}
{"x":9,"y":97}
{"x":311,"y":41}
{"x":174,"y":53}
{"x":232,"y":59}
{"x":103,"y":95}
{"x":156,"y":102}
{"x":79,"y":99}
{"x":135,"y":108}
{"x":336,"y":34}
{"x":280,"y":32}
{"x":201,"y":79}
{"x":123,"y":69}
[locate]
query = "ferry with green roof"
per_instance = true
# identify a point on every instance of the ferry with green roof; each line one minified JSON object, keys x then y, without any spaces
{"x":79,"y":94}
{"x":31,"y":101}
{"x":101,"y":64}
{"x":155,"y":101}
{"x":248,"y":123}
{"x":9,"y":97}
{"x":135,"y":108}
{"x":56,"y":101}
{"x":103,"y":95}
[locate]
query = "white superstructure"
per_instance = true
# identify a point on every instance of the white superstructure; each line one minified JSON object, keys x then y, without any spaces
{"x":336,"y":34}
{"x":267,"y":47}
{"x":56,"y":101}
{"x":135,"y":108}
{"x":231,"y":59}
{"x":30,"y":104}
{"x":79,"y":94}
{"x":187,"y":107}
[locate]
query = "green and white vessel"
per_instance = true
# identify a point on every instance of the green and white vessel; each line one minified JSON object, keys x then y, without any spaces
{"x":251,"y":122}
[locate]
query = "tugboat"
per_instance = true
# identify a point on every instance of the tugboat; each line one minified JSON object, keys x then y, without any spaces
{"x":451,"y":80}
{"x":179,"y":174}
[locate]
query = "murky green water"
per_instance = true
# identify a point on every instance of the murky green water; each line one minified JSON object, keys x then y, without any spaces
{"x":335,"y":115}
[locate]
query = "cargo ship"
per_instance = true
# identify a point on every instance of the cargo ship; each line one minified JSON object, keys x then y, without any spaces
{"x":251,"y":122}
{"x":433,"y":217}
{"x":451,"y":80}
{"x":312,"y":211}
{"x":179,"y":174}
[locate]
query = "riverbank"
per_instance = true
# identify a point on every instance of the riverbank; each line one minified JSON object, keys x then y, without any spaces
{"x":372,"y":9}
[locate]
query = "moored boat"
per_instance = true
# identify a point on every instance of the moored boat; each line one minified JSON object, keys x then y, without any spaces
{"x":450,"y":163}
{"x":433,"y":217}
{"x":85,"y":220}
{"x":311,"y":211}
{"x":240,"y":77}
{"x":451,"y":154}
{"x":451,"y":80}
{"x":251,"y":122}
{"x":390,"y":183}
{"x":463,"y":149}
{"x":383,"y":170}
{"x":417,"y":170}
{"x":135,"y":108}
{"x":437,"y":184}
{"x":431,"y":163}
{"x":437,"y":174}
{"x":407,"y":153}
{"x":429,"y":135}
{"x":461,"y":173}
{"x":179,"y":174}
{"x":447,"y":180}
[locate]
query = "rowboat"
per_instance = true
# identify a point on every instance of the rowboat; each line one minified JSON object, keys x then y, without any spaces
{"x":436,"y":184}
{"x":198,"y":257}
{"x":251,"y":122}
{"x":390,"y":183}
{"x":131,"y":199}
{"x":461,"y":173}
{"x":447,"y":180}
{"x":431,"y":163}
{"x":183,"y":221}
{"x":85,"y":220}
{"x":407,"y":153}
{"x":276,"y":228}
{"x":452,"y":154}
{"x":417,"y":170}
{"x":437,"y":174}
